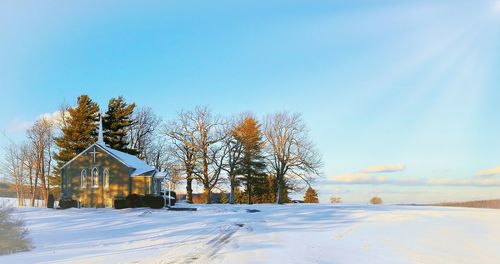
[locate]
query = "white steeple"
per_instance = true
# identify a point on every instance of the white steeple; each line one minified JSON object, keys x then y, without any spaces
{"x":100,"y":138}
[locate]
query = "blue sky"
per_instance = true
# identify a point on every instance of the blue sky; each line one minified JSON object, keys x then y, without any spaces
{"x":401,"y":97}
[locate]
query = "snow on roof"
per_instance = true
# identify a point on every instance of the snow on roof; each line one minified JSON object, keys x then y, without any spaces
{"x":131,"y":161}
{"x":161,"y":174}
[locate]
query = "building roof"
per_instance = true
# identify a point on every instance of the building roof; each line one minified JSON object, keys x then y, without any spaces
{"x":140,"y":168}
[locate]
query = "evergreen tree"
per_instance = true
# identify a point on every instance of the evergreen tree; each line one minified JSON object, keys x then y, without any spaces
{"x":252,"y":165}
{"x":223,"y":197}
{"x":238,"y":196}
{"x":311,"y":196}
{"x":116,"y":123}
{"x":79,"y":131}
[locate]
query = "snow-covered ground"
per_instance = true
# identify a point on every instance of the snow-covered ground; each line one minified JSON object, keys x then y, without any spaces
{"x":298,"y":233}
{"x":12,"y":202}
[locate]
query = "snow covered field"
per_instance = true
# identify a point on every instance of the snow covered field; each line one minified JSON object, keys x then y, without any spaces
{"x":299,"y":233}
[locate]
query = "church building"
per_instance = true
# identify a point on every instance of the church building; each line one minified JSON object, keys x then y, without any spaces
{"x":100,"y":174}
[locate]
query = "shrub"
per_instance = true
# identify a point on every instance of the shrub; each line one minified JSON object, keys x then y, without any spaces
{"x":311,"y":196}
{"x":67,"y":203}
{"x":120,"y":203}
{"x":335,"y":200}
{"x":50,"y":201}
{"x":156,"y":202}
{"x":135,"y":200}
{"x":13,"y":234}
{"x":223,"y":198}
{"x":147,"y":200}
{"x":376,"y":200}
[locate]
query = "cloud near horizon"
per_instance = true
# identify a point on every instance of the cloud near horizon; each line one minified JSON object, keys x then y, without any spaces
{"x":366,"y":176}
{"x":361,"y":179}
{"x":489,"y":172}
{"x":390,"y":168}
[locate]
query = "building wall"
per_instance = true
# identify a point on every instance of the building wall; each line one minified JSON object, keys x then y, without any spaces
{"x":99,"y":196}
{"x":141,"y":185}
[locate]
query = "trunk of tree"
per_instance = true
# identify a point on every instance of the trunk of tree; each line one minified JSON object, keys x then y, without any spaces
{"x":208,"y":193}
{"x":18,"y":195}
{"x":249,"y":189}
{"x":48,"y":173}
{"x":34,"y":189}
{"x":206,"y":179}
{"x":189,"y":189}
{"x":233,"y":187}
{"x":279,"y":197}
{"x":43,"y":180}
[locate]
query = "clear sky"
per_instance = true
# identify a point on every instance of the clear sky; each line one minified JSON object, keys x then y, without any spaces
{"x":401,"y":97}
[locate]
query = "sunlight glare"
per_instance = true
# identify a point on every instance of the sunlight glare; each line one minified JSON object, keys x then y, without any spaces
{"x":497,"y":6}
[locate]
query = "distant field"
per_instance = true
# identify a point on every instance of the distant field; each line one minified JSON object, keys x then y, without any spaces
{"x":493,"y":204}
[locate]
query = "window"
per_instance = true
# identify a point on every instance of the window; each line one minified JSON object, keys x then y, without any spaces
{"x":83,"y":178}
{"x":95,"y":178}
{"x":105,"y":178}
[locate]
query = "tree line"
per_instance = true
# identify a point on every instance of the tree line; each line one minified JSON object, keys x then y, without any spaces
{"x":257,"y":161}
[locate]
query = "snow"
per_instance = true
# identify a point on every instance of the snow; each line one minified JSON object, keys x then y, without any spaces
{"x":12,"y":202}
{"x":298,"y":233}
{"x":132,"y":161}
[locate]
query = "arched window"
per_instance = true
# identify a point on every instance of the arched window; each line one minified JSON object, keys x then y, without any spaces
{"x":95,"y":178}
{"x":105,"y":178}
{"x":83,"y":178}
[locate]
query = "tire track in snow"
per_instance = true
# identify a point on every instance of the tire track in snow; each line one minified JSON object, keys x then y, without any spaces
{"x":207,"y":248}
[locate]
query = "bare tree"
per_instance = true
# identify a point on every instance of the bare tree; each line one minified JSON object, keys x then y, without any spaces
{"x":143,"y":132}
{"x":233,"y":157}
{"x":157,"y":154}
{"x":13,"y":167}
{"x":181,"y":133}
{"x":290,"y":152}
{"x":29,"y":164}
{"x":41,"y":139}
{"x":211,"y":152}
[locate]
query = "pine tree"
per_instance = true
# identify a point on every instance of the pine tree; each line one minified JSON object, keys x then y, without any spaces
{"x":252,"y":165}
{"x":116,"y":123}
{"x":311,"y":196}
{"x":79,"y":131}
{"x":223,"y":197}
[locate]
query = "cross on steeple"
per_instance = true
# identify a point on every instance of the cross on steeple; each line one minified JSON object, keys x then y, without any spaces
{"x":94,"y":152}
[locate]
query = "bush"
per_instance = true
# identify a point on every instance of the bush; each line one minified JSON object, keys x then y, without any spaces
{"x":67,"y":203}
{"x":120,"y":203}
{"x":13,"y":234}
{"x":135,"y":200}
{"x":156,"y":202}
{"x":311,"y":196}
{"x":223,"y":198}
{"x":50,"y":201}
{"x":335,"y":200}
{"x":148,"y":199}
{"x":376,"y":200}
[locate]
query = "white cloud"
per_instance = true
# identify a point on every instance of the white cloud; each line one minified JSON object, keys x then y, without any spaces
{"x":385,"y":168}
{"x":358,"y":178}
{"x":366,"y":179}
{"x":54,"y":117}
{"x":18,"y":125}
{"x":489,"y":172}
